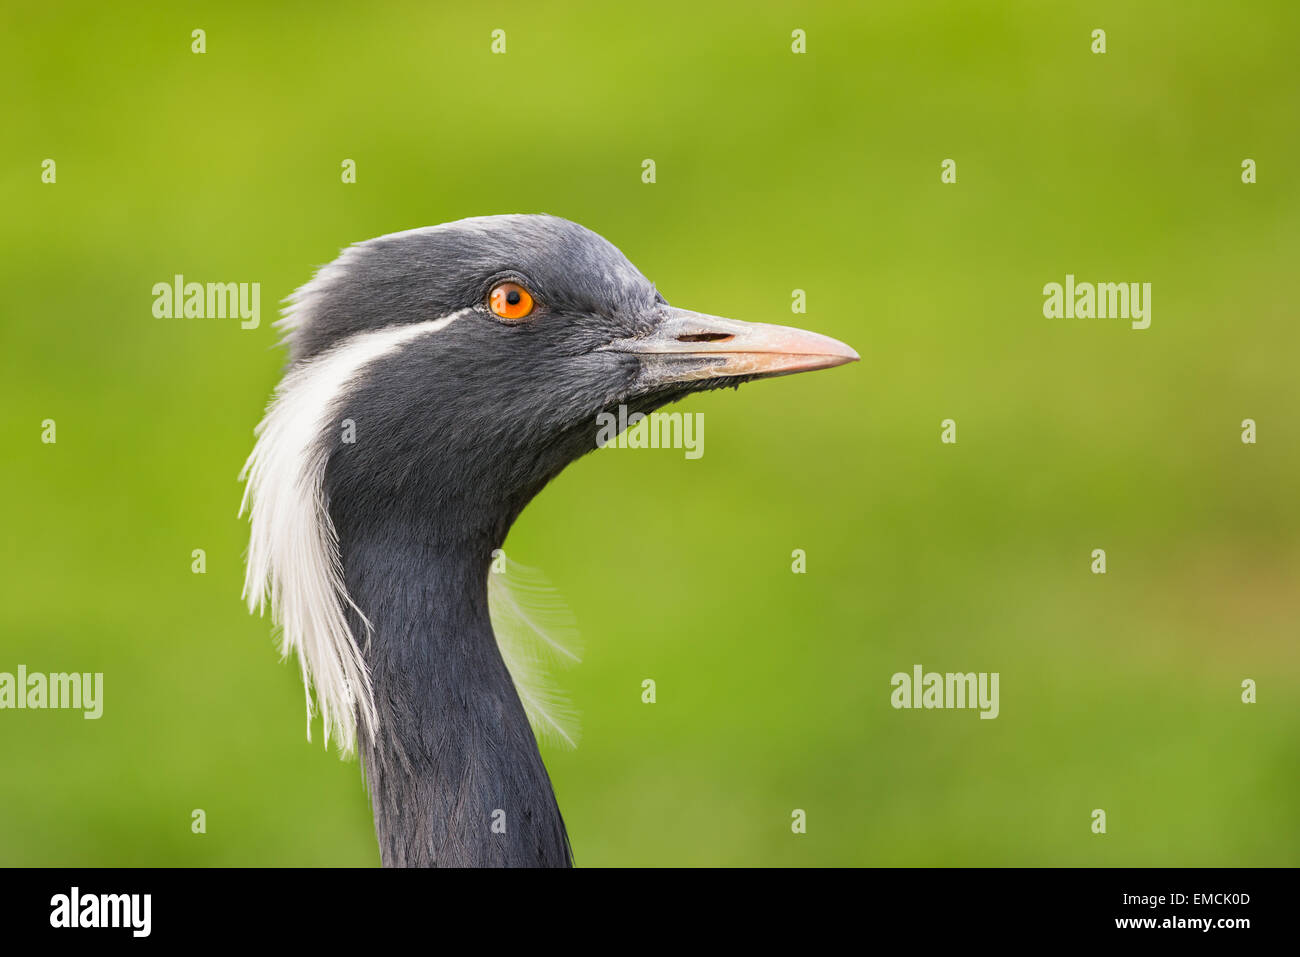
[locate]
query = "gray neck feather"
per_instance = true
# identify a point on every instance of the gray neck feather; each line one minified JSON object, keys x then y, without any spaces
{"x":455,"y":776}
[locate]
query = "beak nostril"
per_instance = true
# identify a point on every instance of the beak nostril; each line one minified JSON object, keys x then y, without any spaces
{"x":706,"y":337}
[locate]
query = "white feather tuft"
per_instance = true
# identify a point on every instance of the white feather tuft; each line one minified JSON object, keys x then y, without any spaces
{"x":535,"y":632}
{"x":293,"y":555}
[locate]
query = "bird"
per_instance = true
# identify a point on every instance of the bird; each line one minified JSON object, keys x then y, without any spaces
{"x":437,"y":379}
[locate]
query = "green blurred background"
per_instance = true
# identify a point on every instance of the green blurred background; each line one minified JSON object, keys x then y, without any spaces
{"x":776,"y":171}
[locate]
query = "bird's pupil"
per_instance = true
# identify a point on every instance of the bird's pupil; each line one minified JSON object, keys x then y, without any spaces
{"x":512,"y":297}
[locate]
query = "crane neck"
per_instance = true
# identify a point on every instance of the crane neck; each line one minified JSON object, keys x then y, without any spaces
{"x":454,"y":772}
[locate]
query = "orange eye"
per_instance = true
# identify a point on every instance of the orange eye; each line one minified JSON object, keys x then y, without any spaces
{"x":511,"y":301}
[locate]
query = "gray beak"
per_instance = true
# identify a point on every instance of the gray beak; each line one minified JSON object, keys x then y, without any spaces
{"x":688,"y":346}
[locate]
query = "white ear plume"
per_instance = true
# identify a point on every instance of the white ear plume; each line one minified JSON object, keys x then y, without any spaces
{"x":293,"y":555}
